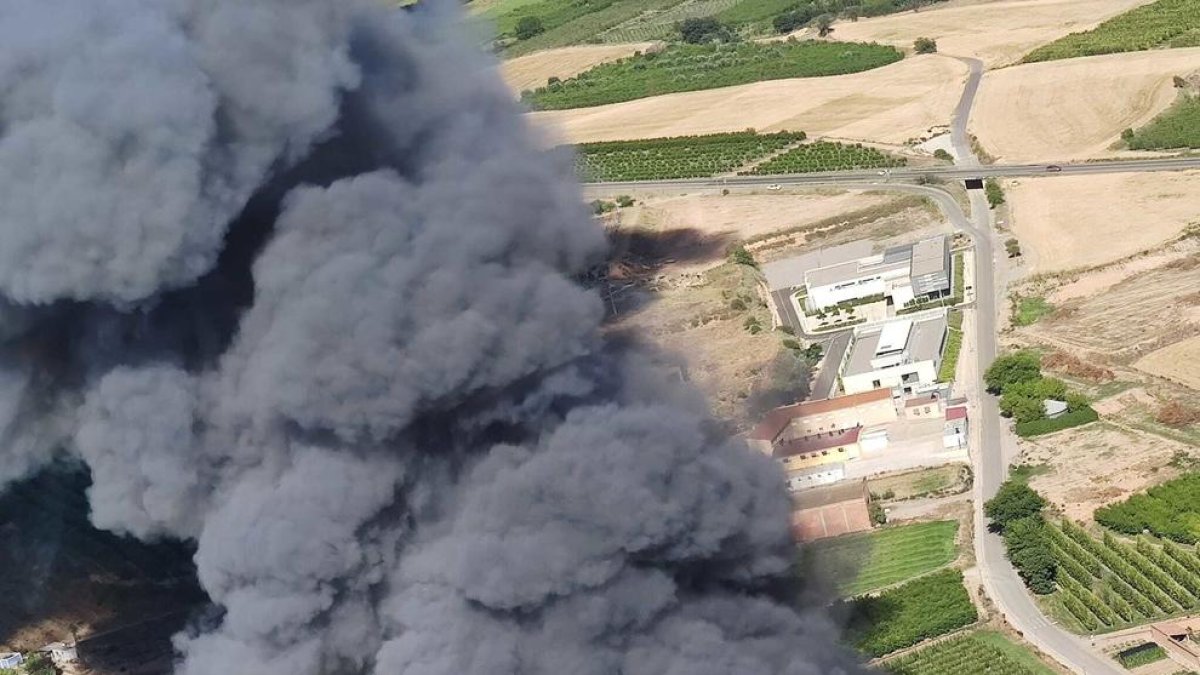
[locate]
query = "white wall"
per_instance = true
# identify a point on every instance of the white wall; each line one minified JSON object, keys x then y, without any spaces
{"x":926,"y":372}
{"x":827,"y":296}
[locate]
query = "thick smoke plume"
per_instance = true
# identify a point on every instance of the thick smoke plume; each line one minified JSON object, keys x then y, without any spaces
{"x":291,"y":278}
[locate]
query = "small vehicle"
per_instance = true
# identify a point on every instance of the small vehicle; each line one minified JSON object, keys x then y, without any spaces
{"x":1054,"y":168}
{"x":774,"y":186}
{"x":883,"y":173}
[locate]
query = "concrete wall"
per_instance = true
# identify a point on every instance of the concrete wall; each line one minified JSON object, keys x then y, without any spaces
{"x":800,"y":481}
{"x":891,"y":377}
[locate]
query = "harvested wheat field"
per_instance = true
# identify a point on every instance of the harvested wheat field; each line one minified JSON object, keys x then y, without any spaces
{"x":1081,"y":221}
{"x":532,"y":71}
{"x":1179,"y":362}
{"x":998,"y":33}
{"x":1074,"y":109}
{"x":1098,"y":464}
{"x":889,"y":105}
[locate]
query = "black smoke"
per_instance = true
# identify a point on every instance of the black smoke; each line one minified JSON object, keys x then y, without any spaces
{"x":291,"y":278}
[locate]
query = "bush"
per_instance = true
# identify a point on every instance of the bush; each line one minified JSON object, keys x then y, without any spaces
{"x":943,"y":155}
{"x":923,"y":608}
{"x":1083,"y":415}
{"x":740,"y":256}
{"x":528,"y":27}
{"x":1011,"y":368}
{"x":1013,"y":501}
{"x":924,"y":45}
{"x":792,"y":344}
{"x":1012,"y":247}
{"x":697,"y":30}
{"x":625,"y":201}
{"x":878,"y":515}
{"x":1023,"y":401}
{"x":995,"y":195}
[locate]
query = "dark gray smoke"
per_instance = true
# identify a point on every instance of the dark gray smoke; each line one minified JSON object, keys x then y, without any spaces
{"x":293,"y":281}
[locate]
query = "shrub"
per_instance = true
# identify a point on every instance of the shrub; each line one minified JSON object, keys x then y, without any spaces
{"x":528,"y":27}
{"x":878,"y":515}
{"x":1013,"y":501}
{"x":995,"y":195}
{"x":698,"y":30}
{"x":792,"y":344}
{"x":941,"y":154}
{"x":1012,"y":247}
{"x":739,"y":255}
{"x":1015,"y":367}
{"x":923,"y":45}
{"x":625,"y":201}
{"x":1081,"y":416}
{"x":737,"y":304}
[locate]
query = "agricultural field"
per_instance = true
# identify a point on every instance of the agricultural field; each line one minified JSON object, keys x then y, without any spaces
{"x":535,"y":70}
{"x":859,"y":563}
{"x":682,"y":68}
{"x":923,"y":608}
{"x":1164,"y":23}
{"x":1162,"y":205}
{"x":1107,"y":583}
{"x":998,"y":32}
{"x":679,"y":157}
{"x":940,"y":480}
{"x":826,"y":156}
{"x":982,"y":652}
{"x":661,"y":25}
{"x":886,"y":105}
{"x":1170,"y":510}
{"x":1141,"y":655}
{"x":570,"y":22}
{"x":1075,"y":109}
{"x":1179,"y":362}
{"x":1177,"y":127}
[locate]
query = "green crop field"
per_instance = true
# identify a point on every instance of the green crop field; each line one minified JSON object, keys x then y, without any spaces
{"x":1106,"y":583}
{"x":1177,"y":127}
{"x":1166,"y":23}
{"x":661,"y":25}
{"x":982,"y":652}
{"x":826,"y":156}
{"x":693,"y":67}
{"x":1170,"y":510}
{"x":858,"y":563}
{"x":571,"y":22}
{"x":676,"y":157}
{"x":923,"y":608}
{"x":754,"y":17}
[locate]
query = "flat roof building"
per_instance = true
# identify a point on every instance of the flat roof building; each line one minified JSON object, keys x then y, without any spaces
{"x":902,"y":355}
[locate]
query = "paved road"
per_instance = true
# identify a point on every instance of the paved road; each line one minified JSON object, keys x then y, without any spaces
{"x":959,"y":139}
{"x":901,"y":174}
{"x":835,"y":349}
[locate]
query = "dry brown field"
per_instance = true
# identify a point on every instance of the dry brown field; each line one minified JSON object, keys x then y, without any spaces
{"x":1069,"y":222}
{"x":1179,"y":362}
{"x":1074,"y":109}
{"x":532,"y":71}
{"x":998,"y":33}
{"x":891,"y":105}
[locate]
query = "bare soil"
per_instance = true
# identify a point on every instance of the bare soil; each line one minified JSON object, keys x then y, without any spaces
{"x":532,"y":70}
{"x":1179,"y":362}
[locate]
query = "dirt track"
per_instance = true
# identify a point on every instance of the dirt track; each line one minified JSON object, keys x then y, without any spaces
{"x":998,"y":33}
{"x":889,"y":105}
{"x":1075,"y":108}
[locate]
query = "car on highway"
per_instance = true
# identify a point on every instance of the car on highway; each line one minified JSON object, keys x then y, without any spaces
{"x":1054,"y":168}
{"x":774,"y":186}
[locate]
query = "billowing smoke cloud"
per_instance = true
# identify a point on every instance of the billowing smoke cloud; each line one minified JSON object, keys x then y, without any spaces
{"x":292,"y":280}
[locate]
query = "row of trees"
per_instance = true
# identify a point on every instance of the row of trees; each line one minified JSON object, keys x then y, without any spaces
{"x":1017,"y":377}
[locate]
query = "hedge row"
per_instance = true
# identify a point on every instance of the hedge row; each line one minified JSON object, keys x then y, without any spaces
{"x":1076,"y":418}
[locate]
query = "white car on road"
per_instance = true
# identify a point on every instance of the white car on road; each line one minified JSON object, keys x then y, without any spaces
{"x":774,"y":186}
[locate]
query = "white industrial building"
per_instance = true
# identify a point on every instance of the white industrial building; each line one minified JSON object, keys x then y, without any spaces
{"x":859,"y":284}
{"x":902,"y":355}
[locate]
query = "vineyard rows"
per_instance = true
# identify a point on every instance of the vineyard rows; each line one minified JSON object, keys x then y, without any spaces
{"x":676,"y":157}
{"x":967,"y":655}
{"x":900,"y":617}
{"x":1106,"y":583}
{"x":825,"y":156}
{"x":684,"y":67}
{"x":661,"y":25}
{"x":1166,"y":23}
{"x":1177,"y":127}
{"x":859,"y":563}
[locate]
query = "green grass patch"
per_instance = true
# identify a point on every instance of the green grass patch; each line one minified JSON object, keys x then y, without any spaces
{"x":858,"y":563}
{"x":923,"y":608}
{"x":1046,"y":425}
{"x":977,"y":653}
{"x":1023,"y":473}
{"x":827,"y":156}
{"x":1166,"y":23}
{"x":1028,"y":310}
{"x":676,"y":157}
{"x":693,"y":67}
{"x":1176,"y":127}
{"x":1141,"y":655}
{"x":954,"y":340}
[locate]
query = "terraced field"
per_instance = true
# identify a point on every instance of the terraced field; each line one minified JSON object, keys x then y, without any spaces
{"x":1166,"y":23}
{"x":678,"y":157}
{"x":978,"y":653}
{"x":859,"y":563}
{"x":826,"y":156}
{"x":683,"y":67}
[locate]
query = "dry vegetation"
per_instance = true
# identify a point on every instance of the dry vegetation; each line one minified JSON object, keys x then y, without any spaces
{"x":1179,"y":362}
{"x":999,"y":33}
{"x":533,"y":70}
{"x":1070,"y":222}
{"x":1075,"y":108}
{"x":889,"y":105}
